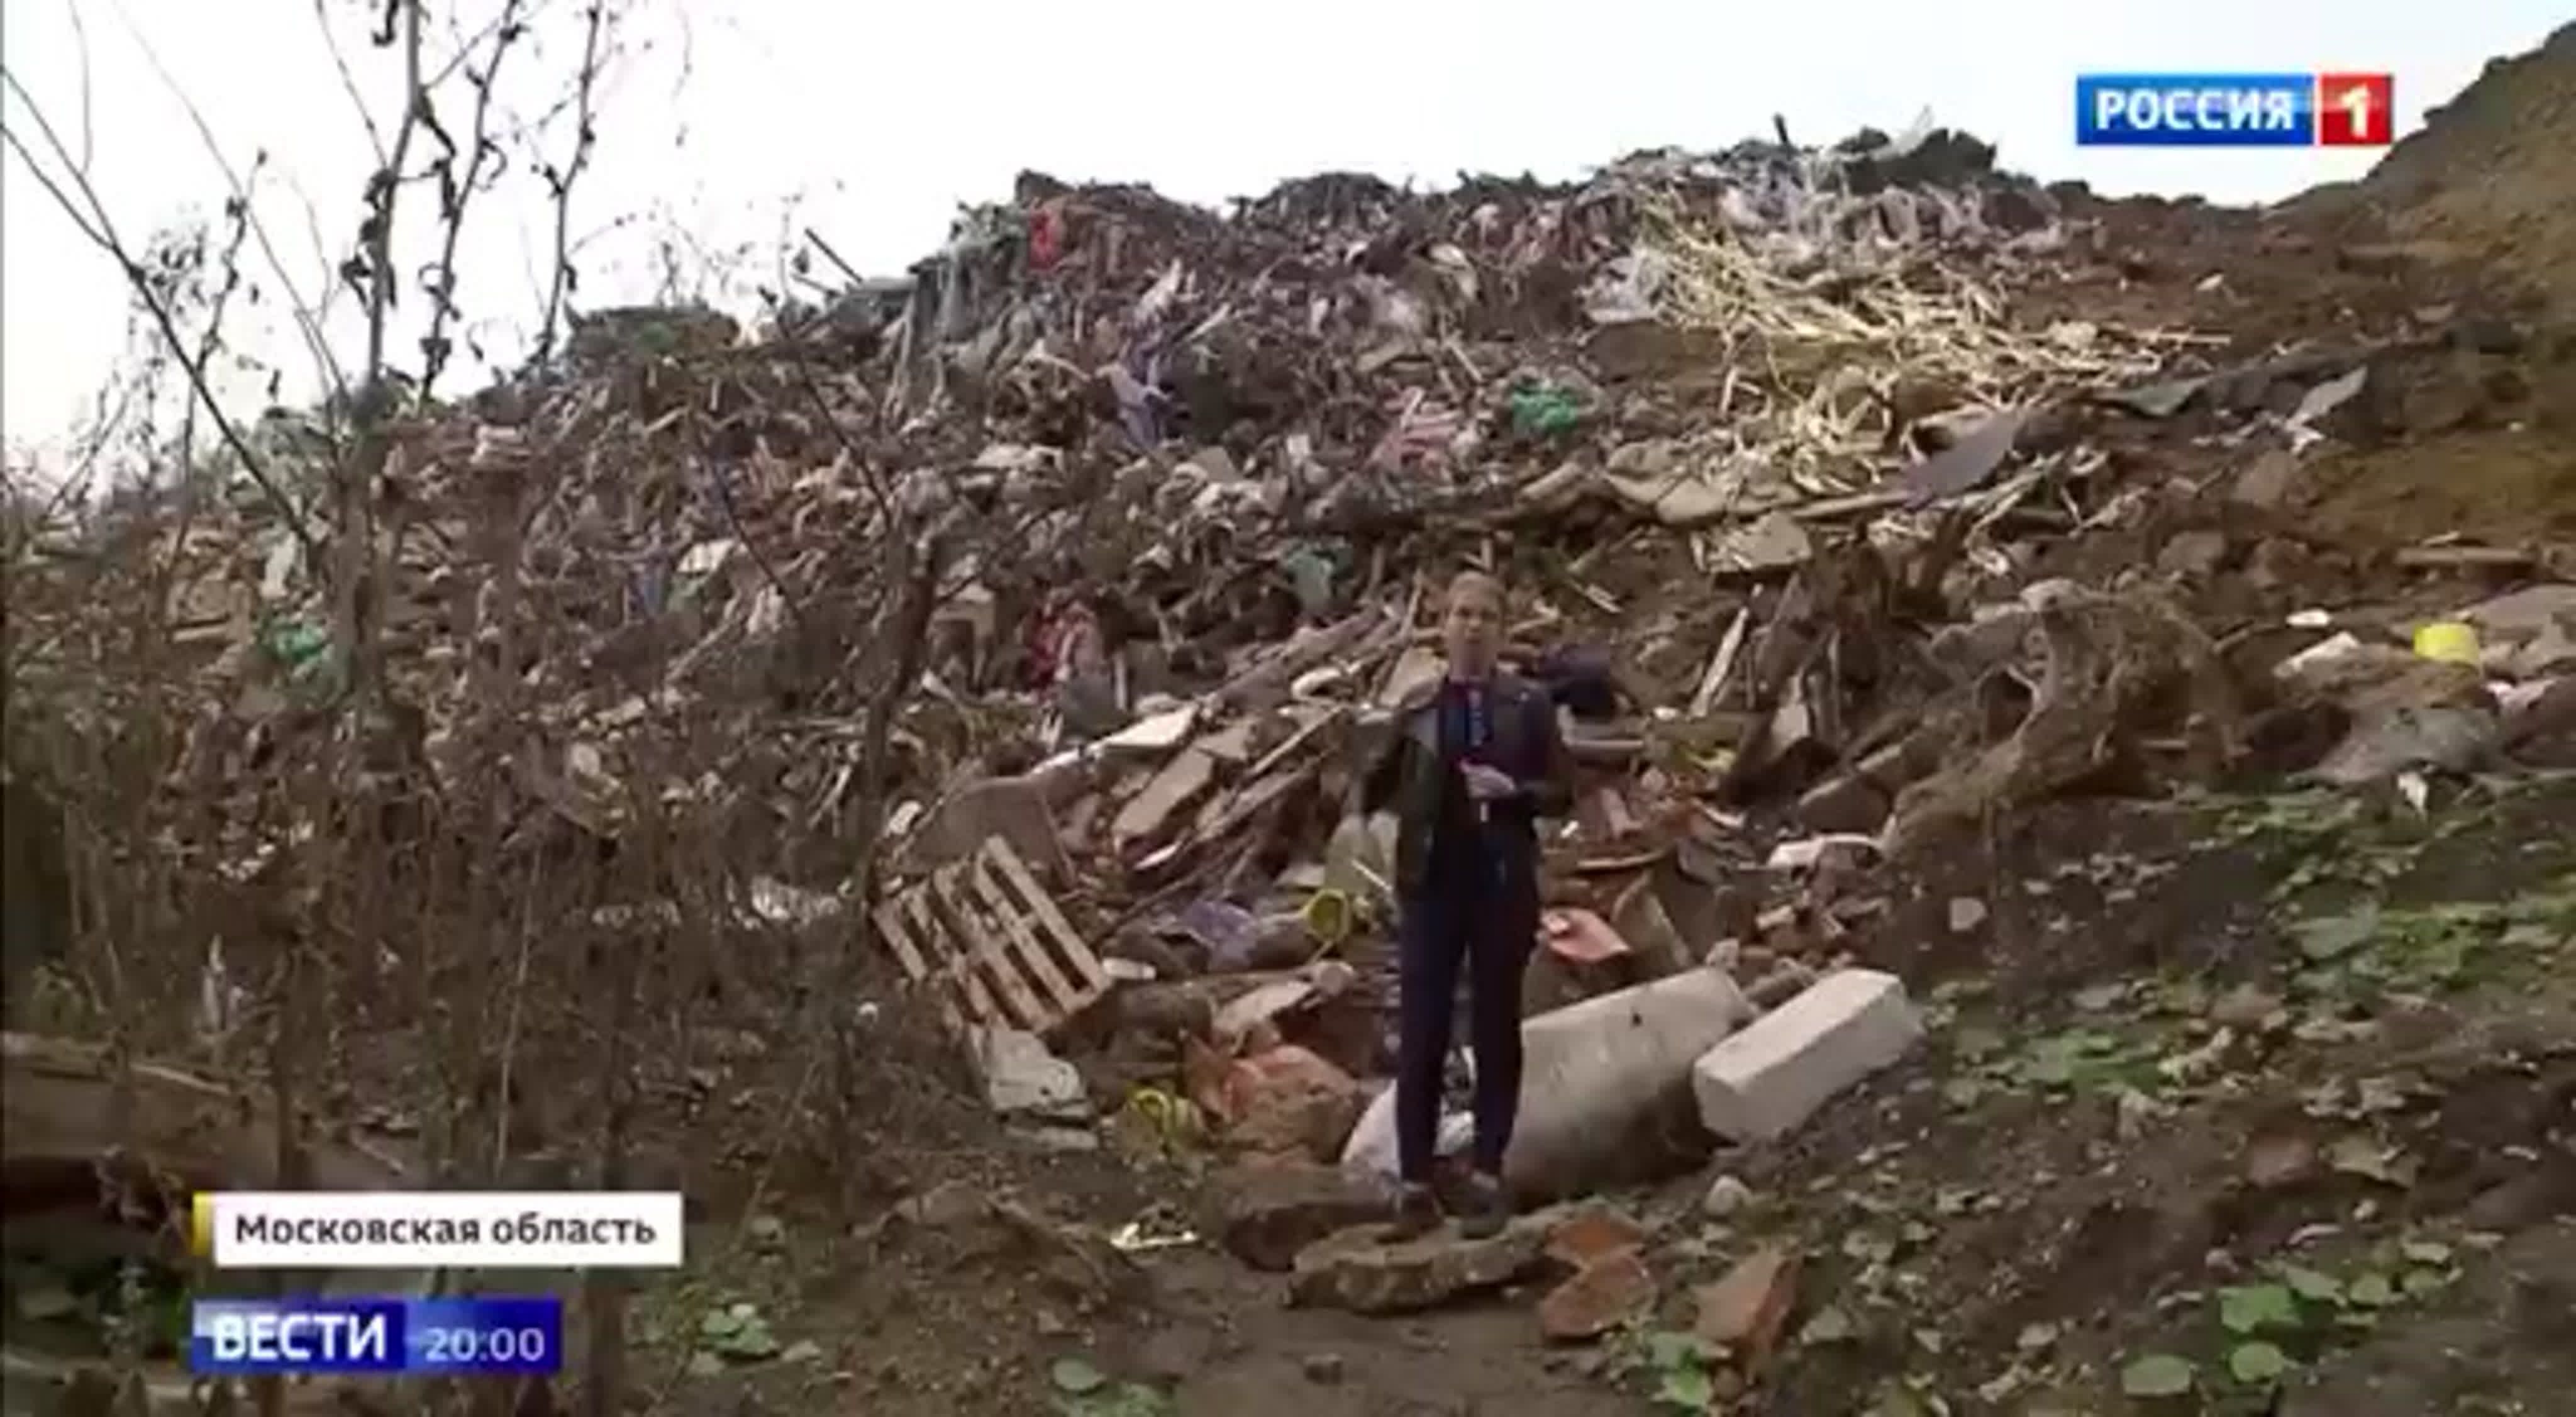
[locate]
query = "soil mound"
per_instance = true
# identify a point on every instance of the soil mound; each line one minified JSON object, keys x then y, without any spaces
{"x":2494,"y":172}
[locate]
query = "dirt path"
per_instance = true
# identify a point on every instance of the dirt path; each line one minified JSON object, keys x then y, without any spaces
{"x":1275,"y":1361}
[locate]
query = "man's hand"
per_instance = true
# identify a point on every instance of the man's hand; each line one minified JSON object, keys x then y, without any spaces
{"x":1487,"y":784}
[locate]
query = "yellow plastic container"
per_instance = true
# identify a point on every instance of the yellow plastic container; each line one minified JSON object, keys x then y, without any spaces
{"x":2449,"y":642}
{"x":1327,"y":914}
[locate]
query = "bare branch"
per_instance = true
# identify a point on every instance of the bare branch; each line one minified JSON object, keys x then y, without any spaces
{"x":76,"y":482}
{"x":454,"y":193}
{"x":90,"y":215}
{"x":560,"y":180}
{"x":376,"y":236}
{"x":53,"y":189}
{"x":520,"y":16}
{"x":371,"y":270}
{"x":210,"y":339}
{"x":349,"y":82}
{"x":321,"y":253}
{"x":308,"y":320}
{"x":88,"y":96}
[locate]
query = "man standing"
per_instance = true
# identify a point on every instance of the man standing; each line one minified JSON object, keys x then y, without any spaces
{"x":1470,"y":768}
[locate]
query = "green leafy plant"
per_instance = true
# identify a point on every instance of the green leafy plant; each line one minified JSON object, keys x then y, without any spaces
{"x":2299,"y":820}
{"x":2257,"y":1308}
{"x":133,"y":1300}
{"x":1082,"y":1390}
{"x":2372,"y":948}
{"x":2292,"y":1311}
{"x":2158,"y":1375}
{"x":2258,"y":1364}
{"x":2082,"y":1059}
{"x":1679,"y":1368}
{"x":2297,"y":1307}
{"x":737,"y":1333}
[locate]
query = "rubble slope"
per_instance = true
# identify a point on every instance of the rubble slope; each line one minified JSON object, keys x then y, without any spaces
{"x":2495,"y":172}
{"x":2482,"y":202}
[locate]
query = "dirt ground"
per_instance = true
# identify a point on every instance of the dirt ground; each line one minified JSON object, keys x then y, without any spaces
{"x":2467,"y":428}
{"x":2191,"y":1091}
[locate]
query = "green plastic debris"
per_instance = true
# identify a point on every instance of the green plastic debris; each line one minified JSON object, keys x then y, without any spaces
{"x":1544,"y":412}
{"x":305,"y":652}
{"x":296,"y":644}
{"x":1310,"y":572}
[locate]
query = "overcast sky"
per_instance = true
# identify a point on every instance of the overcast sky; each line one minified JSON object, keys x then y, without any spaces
{"x":726,"y":123}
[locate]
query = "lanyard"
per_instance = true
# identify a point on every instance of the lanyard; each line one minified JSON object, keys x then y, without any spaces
{"x":1478,"y":736}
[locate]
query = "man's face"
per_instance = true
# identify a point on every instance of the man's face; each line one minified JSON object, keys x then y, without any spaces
{"x":1474,"y":627}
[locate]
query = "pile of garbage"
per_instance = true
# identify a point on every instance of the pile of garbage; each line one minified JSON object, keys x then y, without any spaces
{"x":1763,"y":442}
{"x":1179,"y":438}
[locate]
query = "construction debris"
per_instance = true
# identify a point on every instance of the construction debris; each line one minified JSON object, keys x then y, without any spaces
{"x":983,"y":933}
{"x":1819,"y":504}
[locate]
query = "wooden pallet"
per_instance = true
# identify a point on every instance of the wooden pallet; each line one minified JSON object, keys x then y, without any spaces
{"x":991,"y":945}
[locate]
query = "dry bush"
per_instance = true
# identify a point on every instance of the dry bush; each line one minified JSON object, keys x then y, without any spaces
{"x":362,"y":866}
{"x":290,"y":886}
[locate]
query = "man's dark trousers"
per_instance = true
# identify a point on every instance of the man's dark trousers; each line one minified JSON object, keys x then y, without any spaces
{"x":1478,"y":917}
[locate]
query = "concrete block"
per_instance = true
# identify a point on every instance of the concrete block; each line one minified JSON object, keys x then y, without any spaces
{"x":1771,"y":1076}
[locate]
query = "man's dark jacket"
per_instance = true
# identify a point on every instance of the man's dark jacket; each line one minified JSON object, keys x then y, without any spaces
{"x":1409,"y":776}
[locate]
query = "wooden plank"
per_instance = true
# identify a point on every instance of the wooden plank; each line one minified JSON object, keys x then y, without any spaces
{"x":1032,"y":951}
{"x":942,"y":988}
{"x":1086,"y":965}
{"x":939,"y":984}
{"x":984,"y":941}
{"x":992,"y":942}
{"x":1084,"y":981}
{"x":899,"y":940}
{"x":954,"y":966}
